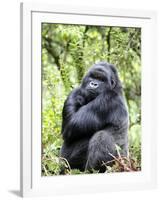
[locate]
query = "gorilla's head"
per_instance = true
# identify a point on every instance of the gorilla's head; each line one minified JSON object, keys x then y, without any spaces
{"x":102,"y":77}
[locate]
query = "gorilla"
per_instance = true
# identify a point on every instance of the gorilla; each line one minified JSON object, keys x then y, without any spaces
{"x":95,"y":120}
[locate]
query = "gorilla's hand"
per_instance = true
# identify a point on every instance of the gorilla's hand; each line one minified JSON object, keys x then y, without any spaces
{"x":86,"y":96}
{"x":80,"y":100}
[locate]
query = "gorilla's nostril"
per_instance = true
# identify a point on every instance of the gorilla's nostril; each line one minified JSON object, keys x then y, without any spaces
{"x":93,"y":84}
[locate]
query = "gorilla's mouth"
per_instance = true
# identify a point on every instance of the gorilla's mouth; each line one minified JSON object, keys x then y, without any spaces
{"x":92,"y":94}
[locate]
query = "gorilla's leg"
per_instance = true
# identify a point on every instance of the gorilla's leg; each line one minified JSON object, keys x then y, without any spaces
{"x":76,"y":153}
{"x":101,"y":145}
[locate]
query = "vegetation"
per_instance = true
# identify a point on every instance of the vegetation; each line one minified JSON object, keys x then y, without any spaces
{"x":67,"y":53}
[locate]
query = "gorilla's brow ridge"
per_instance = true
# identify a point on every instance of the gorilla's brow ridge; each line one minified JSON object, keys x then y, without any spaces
{"x":98,"y":74}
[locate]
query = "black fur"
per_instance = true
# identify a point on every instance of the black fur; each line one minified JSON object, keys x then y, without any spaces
{"x":95,"y":120}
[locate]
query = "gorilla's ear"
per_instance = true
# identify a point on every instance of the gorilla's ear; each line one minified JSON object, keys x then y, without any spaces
{"x":113,"y":83}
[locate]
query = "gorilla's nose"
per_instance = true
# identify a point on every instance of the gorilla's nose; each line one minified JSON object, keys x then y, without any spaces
{"x":93,"y":84}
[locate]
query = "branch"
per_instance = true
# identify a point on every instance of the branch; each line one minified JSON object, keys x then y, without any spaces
{"x":109,"y":42}
{"x":51,"y":51}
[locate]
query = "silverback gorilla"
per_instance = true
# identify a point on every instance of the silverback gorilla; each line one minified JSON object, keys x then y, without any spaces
{"x":95,"y":120}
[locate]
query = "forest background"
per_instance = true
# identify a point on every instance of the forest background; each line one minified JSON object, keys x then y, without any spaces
{"x":67,"y":53}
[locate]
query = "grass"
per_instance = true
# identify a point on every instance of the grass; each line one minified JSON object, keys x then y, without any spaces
{"x":52,"y":164}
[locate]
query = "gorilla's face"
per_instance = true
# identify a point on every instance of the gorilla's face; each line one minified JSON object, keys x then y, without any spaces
{"x":101,"y":78}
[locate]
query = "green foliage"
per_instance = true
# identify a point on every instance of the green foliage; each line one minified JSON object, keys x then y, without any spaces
{"x":67,"y":53}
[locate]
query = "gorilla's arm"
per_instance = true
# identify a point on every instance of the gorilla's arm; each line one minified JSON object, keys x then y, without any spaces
{"x":82,"y":124}
{"x":86,"y":120}
{"x":74,"y":101}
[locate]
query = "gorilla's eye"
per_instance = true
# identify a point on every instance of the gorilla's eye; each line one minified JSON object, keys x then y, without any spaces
{"x":93,"y":84}
{"x":113,"y":83}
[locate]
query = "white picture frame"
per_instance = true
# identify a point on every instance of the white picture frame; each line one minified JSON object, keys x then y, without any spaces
{"x":32,"y":183}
